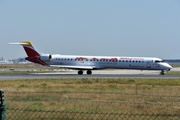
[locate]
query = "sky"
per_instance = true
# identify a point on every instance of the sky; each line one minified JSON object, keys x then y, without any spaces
{"x":142,"y":28}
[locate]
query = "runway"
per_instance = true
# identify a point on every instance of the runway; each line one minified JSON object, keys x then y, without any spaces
{"x":96,"y":74}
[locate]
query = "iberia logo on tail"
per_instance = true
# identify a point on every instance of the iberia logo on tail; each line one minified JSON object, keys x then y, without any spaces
{"x":32,"y":54}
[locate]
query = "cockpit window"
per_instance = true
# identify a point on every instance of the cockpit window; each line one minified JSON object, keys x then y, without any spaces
{"x":158,"y":61}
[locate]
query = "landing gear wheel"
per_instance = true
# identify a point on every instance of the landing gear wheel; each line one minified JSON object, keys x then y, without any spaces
{"x":80,"y":72}
{"x":89,"y":72}
{"x":162,"y":72}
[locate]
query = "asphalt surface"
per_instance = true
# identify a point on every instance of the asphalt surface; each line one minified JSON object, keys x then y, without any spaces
{"x":37,"y":76}
{"x":95,"y":74}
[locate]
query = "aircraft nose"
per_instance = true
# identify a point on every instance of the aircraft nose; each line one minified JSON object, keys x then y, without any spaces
{"x":169,"y":67}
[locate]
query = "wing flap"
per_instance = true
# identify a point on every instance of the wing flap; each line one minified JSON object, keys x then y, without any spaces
{"x":74,"y":67}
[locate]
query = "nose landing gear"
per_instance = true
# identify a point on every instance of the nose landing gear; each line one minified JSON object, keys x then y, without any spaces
{"x":162,"y":72}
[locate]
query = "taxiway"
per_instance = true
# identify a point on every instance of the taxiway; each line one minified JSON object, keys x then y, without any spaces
{"x":96,"y":74}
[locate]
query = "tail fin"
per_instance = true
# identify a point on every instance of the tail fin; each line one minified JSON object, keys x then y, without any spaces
{"x":33,"y":55}
{"x":28,"y":47}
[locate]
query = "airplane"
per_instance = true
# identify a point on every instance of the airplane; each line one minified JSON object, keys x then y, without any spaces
{"x":89,"y":63}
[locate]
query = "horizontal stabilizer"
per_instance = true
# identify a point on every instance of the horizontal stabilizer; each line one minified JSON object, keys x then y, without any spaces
{"x":18,"y":43}
{"x":74,"y":67}
{"x":14,"y":43}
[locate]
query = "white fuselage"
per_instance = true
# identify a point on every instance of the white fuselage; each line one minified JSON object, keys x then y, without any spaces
{"x":89,"y":63}
{"x":103,"y":62}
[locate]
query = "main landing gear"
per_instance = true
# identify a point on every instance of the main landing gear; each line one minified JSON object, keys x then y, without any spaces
{"x":80,"y":72}
{"x":89,"y":72}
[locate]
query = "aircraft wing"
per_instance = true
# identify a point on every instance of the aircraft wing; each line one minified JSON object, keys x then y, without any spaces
{"x":74,"y":67}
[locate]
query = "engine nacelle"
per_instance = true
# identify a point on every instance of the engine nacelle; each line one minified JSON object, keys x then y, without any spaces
{"x":45,"y":57}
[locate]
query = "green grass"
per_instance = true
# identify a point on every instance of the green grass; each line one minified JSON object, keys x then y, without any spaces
{"x":92,"y":95}
{"x":127,"y":95}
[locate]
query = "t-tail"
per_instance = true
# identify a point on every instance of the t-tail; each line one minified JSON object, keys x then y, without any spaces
{"x":33,"y":55}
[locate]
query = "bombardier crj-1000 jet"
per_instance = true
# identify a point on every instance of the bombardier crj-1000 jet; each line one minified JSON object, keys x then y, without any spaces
{"x":89,"y":63}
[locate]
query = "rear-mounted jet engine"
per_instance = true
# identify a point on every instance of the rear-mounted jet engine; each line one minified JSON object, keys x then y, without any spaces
{"x":45,"y":57}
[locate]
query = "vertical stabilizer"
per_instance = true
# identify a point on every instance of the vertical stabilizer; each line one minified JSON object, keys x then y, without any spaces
{"x":28,"y":47}
{"x":33,"y":55}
